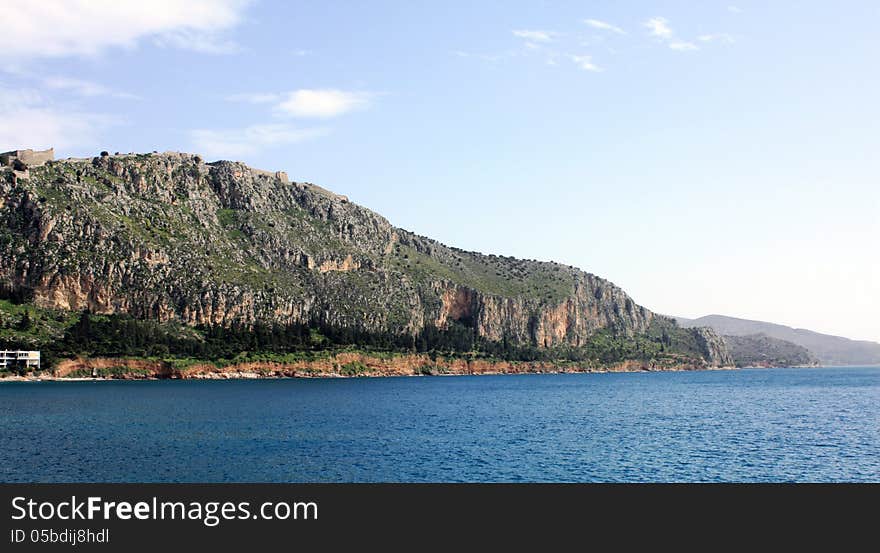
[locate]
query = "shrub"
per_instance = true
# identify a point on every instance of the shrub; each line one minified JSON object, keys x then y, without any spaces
{"x":354,"y":368}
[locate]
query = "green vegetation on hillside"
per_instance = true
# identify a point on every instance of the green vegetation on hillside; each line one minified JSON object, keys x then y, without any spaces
{"x":263,"y":268}
{"x":760,"y":350}
{"x":499,"y":275}
{"x":61,"y":334}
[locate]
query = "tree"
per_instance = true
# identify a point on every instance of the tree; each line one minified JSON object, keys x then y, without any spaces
{"x":26,"y":322}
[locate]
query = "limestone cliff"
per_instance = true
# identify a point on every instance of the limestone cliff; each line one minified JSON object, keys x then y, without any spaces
{"x":173,"y":238}
{"x":713,"y":347}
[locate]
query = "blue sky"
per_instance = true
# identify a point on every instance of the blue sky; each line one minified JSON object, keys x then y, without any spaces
{"x":711,"y":157}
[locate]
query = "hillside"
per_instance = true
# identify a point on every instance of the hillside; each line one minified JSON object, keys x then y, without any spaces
{"x":829,"y":350}
{"x":760,"y":350}
{"x":213,"y":256}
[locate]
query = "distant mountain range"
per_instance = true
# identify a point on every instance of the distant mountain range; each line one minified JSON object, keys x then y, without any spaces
{"x":828,"y":349}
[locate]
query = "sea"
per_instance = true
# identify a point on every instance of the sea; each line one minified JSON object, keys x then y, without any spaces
{"x":747,"y":425}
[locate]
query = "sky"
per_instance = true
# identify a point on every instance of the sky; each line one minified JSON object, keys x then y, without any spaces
{"x":709,"y":157}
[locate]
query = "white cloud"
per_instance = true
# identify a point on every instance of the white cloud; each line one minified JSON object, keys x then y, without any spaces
{"x":303,"y":103}
{"x":54,"y":28}
{"x":79,"y":87}
{"x":42,"y":128}
{"x":605,"y":26}
{"x":659,"y":27}
{"x":236,"y":143}
{"x":322,"y":103}
{"x":734,"y":9}
{"x":535,"y":36}
{"x":197,"y":41}
{"x":718,"y":37}
{"x":683,"y":46}
{"x":585,"y":63}
{"x":30,"y":122}
{"x":85,"y":88}
{"x":307,"y":103}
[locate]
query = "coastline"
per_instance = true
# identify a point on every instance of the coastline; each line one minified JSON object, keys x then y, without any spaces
{"x":339,"y":365}
{"x":240,"y":375}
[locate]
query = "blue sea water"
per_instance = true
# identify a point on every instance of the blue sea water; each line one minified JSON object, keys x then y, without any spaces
{"x":775,"y":425}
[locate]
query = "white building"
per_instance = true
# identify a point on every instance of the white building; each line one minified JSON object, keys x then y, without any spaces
{"x":19,"y":359}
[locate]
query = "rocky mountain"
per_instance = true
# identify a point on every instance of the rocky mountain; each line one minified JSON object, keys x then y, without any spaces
{"x":760,"y":350}
{"x":171,"y":238}
{"x":828,"y":349}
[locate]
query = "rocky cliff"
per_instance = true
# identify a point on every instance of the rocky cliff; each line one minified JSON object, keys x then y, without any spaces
{"x":172,"y":238}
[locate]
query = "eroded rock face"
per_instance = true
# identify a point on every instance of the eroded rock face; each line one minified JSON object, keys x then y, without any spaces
{"x":714,"y":347}
{"x":592,"y":305}
{"x":170,"y":237}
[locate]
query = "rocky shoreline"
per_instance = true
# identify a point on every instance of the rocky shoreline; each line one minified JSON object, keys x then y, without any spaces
{"x":342,"y":365}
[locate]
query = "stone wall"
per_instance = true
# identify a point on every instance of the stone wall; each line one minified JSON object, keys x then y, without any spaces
{"x":31,"y":158}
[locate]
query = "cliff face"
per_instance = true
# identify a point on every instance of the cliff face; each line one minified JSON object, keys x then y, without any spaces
{"x":170,"y":237}
{"x":713,"y":347}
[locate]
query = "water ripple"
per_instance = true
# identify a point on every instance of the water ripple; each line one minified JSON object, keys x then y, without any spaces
{"x":751,"y":425}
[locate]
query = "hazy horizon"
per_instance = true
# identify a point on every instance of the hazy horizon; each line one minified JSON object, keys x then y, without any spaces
{"x":711,"y":159}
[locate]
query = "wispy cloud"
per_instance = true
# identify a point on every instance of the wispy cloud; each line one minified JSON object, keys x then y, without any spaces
{"x":237,"y":143}
{"x":718,"y":37}
{"x":85,"y":88}
{"x":57,"y":28}
{"x":535,"y":36}
{"x":548,"y":45}
{"x":197,"y":41}
{"x":78,"y":87}
{"x":659,"y":27}
{"x":585,"y":63}
{"x":604,"y":26}
{"x":303,"y":103}
{"x":734,"y":9}
{"x":31,"y":121}
{"x":555,"y":46}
